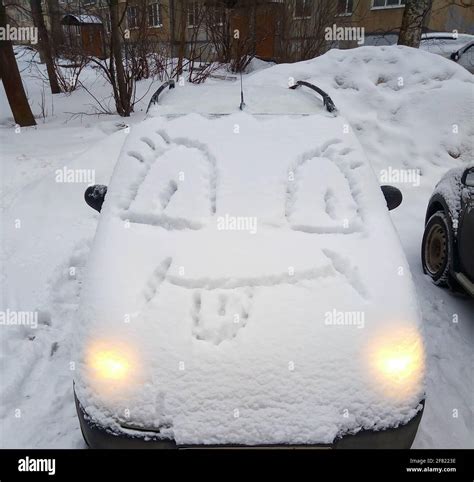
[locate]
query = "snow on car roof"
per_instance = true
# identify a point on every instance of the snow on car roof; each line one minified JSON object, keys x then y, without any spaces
{"x":444,"y":43}
{"x":447,"y":35}
{"x":224,"y":98}
{"x":261,"y":280}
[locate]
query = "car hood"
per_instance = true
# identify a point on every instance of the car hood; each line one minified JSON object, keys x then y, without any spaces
{"x":248,"y":273}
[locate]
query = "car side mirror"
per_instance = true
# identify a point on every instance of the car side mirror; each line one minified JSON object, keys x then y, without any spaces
{"x":393,"y":196}
{"x":468,"y":178}
{"x":455,"y":56}
{"x":95,"y":196}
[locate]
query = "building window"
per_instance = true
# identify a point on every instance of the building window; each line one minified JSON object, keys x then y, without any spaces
{"x":132,"y":16}
{"x":193,"y":14}
{"x":302,"y":9}
{"x":388,"y":3}
{"x":344,"y":7}
{"x":154,"y":15}
{"x":215,"y":13}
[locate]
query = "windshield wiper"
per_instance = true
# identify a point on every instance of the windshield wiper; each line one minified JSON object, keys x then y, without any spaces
{"x":154,"y":98}
{"x":327,"y":101}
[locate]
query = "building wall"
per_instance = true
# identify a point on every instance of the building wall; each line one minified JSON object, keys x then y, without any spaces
{"x":443,"y":17}
{"x":158,"y":33}
{"x":270,"y":23}
{"x":446,"y":17}
{"x":376,"y":20}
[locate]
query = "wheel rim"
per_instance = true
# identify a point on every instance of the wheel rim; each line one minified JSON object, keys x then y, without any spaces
{"x":435,"y":249}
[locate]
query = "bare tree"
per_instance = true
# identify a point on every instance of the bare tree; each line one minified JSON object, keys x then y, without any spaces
{"x":218,"y":28}
{"x":122,"y":90}
{"x":69,"y":69}
{"x":44,"y":44}
{"x":181,"y":35}
{"x":414,"y":16}
{"x":55,"y":19}
{"x":130,"y":51}
{"x":199,"y":52}
{"x":232,"y":31}
{"x":11,"y":79}
{"x":302,"y":33}
{"x":190,"y":42}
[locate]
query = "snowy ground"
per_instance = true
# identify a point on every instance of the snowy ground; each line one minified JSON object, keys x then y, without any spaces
{"x":402,"y":104}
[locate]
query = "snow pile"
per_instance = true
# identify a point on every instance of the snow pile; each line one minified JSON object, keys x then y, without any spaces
{"x":409,"y":109}
{"x":257,"y":64}
{"x":46,"y":234}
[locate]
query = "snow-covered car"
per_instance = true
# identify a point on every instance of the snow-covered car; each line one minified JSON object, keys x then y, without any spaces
{"x":448,"y":240}
{"x":246,"y":286}
{"x":465,"y":57}
{"x":458,"y":47}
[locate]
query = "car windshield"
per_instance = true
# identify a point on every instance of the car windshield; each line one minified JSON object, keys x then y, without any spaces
{"x":444,"y":42}
{"x":224,"y":99}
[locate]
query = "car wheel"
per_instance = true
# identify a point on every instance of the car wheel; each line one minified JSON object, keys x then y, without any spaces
{"x":436,"y":248}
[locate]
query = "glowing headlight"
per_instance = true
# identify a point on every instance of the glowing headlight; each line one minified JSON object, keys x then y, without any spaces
{"x":111,"y":364}
{"x":397,"y":361}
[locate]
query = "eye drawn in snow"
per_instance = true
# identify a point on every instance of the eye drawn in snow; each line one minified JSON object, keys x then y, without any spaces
{"x":177,"y":186}
{"x":167,"y":194}
{"x":209,"y":157}
{"x":334,"y":208}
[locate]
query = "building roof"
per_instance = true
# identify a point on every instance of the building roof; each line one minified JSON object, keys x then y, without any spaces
{"x":81,"y":19}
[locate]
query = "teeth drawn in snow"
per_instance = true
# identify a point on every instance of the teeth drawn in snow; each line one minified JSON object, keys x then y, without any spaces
{"x":226,"y":312}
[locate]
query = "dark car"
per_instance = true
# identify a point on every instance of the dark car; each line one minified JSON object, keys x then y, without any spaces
{"x":447,"y":251}
{"x":465,"y":56}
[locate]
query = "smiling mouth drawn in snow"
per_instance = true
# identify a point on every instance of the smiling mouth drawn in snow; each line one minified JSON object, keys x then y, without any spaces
{"x":221,"y":307}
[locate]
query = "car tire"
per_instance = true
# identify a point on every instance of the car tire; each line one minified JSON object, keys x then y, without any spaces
{"x":436,"y":249}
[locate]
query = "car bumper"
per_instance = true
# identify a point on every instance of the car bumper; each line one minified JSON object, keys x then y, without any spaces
{"x":99,"y":437}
